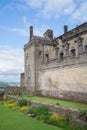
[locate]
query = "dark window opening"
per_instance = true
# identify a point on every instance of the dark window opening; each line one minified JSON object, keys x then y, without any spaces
{"x":56,"y":53}
{"x":86,"y":48}
{"x":40,"y":53}
{"x":46,"y":58}
{"x":61,"y":56}
{"x":73,"y":52}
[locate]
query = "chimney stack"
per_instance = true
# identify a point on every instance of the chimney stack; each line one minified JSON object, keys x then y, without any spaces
{"x":65,"y":29}
{"x":31,"y":32}
{"x":49,"y":34}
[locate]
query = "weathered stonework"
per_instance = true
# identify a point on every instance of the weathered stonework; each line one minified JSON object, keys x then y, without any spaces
{"x":57,"y":67}
{"x":17,"y":90}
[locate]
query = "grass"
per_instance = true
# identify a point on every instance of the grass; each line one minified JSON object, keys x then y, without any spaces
{"x":55,"y":101}
{"x":15,"y":120}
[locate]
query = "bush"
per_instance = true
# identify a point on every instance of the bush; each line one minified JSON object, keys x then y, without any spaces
{"x":55,"y":119}
{"x":11,"y":101}
{"x":57,"y":104}
{"x":44,"y":118}
{"x":10,"y":105}
{"x":22,"y":102}
{"x":41,"y":110}
{"x":23,"y":108}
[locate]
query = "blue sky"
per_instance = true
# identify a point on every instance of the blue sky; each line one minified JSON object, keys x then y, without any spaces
{"x":15,"y":18}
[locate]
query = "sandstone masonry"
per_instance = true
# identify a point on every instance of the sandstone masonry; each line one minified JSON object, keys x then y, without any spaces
{"x":57,"y":67}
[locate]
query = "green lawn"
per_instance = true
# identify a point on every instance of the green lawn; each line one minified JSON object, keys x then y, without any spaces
{"x":54,"y":101}
{"x":15,"y":120}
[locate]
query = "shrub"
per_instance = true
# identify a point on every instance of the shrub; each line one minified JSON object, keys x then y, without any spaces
{"x":10,"y":105}
{"x":23,"y":108}
{"x":41,"y":110}
{"x":10,"y":101}
{"x":22,"y":102}
{"x":44,"y":118}
{"x":55,"y":119}
{"x":57,"y":104}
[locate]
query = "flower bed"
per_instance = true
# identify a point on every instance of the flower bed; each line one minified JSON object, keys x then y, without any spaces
{"x":42,"y":113}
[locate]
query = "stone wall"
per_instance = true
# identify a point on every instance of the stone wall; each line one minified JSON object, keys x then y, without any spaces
{"x":64,"y":95}
{"x":68,"y":83}
{"x":30,"y":67}
{"x":12,"y":89}
{"x":57,"y":67}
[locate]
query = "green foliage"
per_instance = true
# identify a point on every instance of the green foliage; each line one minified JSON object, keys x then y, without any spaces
{"x":11,"y":105}
{"x":22,"y":102}
{"x":57,"y":104}
{"x":55,"y":119}
{"x":13,"y":93}
{"x":10,"y":101}
{"x":41,"y":110}
{"x":55,"y":101}
{"x":26,"y":95}
{"x":23,"y":108}
{"x":44,"y":118}
{"x":85,"y":111}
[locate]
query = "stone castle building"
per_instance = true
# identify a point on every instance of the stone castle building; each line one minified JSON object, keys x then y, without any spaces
{"x":57,"y":67}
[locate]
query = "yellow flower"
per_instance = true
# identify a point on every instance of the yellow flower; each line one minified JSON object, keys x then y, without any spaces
{"x":10,"y":105}
{"x":23,"y":108}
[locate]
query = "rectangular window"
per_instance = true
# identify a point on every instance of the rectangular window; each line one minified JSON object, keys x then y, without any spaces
{"x":46,"y":58}
{"x":86,"y":48}
{"x":73,"y":52}
{"x":61,"y":56}
{"x":40,"y":53}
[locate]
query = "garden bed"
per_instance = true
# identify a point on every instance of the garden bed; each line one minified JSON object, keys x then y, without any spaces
{"x":15,"y":120}
{"x":75,"y":115}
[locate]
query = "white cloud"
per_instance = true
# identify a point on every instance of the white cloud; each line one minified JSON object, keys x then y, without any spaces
{"x":34,"y":3}
{"x":58,"y":7}
{"x":52,"y":8}
{"x":80,"y":13}
{"x":11,"y":63}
